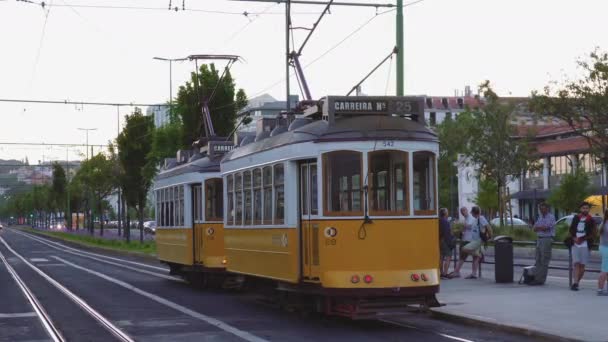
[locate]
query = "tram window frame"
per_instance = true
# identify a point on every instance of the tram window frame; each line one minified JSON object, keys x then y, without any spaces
{"x":197,"y":205}
{"x":330,"y":158}
{"x":230,"y":209}
{"x":214,"y":200}
{"x":278,"y":186}
{"x":247,"y":199}
{"x":182,"y":206}
{"x":257,"y":200}
{"x":238,"y":199}
{"x":390,"y":187}
{"x":432,"y":167}
{"x":267,"y":191}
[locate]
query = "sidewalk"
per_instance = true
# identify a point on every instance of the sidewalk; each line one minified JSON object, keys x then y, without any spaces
{"x":551,"y":310}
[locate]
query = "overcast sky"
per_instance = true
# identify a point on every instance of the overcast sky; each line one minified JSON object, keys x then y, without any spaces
{"x":101,"y":54}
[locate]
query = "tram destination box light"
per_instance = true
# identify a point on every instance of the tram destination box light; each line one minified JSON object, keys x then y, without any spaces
{"x":411,"y":107}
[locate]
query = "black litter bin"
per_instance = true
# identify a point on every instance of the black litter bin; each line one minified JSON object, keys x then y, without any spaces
{"x":503,"y":259}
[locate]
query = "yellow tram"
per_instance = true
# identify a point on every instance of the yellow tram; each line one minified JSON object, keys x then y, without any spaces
{"x":189,"y":213}
{"x":339,"y":204}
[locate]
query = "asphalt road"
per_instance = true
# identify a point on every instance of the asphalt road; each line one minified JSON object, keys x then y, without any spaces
{"x":99,"y":296}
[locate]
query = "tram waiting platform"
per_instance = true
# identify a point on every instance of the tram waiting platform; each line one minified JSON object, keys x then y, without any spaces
{"x":551,"y":311}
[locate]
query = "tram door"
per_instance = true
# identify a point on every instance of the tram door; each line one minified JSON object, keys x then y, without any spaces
{"x":309,"y":211}
{"x":197,"y":210}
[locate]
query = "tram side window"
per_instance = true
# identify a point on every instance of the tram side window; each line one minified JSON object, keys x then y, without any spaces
{"x":424,"y":183}
{"x":214,"y":205}
{"x":238,"y":188}
{"x":279,"y":194}
{"x":247,"y":204}
{"x":342,"y":186}
{"x":388,"y":182}
{"x":171,"y":207}
{"x":267,"y":194}
{"x":230,"y":192}
{"x":197,"y":204}
{"x":180,"y":200}
{"x":257,"y":196}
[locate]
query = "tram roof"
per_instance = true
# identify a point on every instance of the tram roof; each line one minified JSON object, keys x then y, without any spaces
{"x":201,"y":165}
{"x":355,"y":128}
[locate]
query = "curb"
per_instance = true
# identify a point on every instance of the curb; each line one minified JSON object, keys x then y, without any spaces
{"x":85,"y":246}
{"x":478,"y":321}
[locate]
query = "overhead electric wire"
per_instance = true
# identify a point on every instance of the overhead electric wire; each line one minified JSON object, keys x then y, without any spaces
{"x":40,"y":42}
{"x":113,"y":104}
{"x":326,"y":52}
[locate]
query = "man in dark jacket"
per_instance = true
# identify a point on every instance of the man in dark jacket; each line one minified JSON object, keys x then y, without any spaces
{"x":582,"y":232}
{"x":446,"y":242}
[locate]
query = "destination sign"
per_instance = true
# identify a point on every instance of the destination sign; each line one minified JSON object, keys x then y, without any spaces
{"x":407,"y":106}
{"x":358,"y":106}
{"x":220,"y":147}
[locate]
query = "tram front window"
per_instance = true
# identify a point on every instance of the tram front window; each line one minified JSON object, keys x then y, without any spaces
{"x":213,"y":199}
{"x":424,"y":183}
{"x":238,"y":187}
{"x":388,"y":182}
{"x":342,"y":173}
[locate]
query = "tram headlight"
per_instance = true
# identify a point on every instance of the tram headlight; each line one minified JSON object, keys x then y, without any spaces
{"x":424,"y":277}
{"x":331,"y":232}
{"x":355,"y":279}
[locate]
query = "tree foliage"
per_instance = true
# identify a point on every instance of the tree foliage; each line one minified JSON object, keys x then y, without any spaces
{"x":573,"y":190}
{"x":59,"y":186}
{"x":487,"y":197}
{"x":453,"y":135}
{"x":223,"y":106}
{"x":582,"y":104}
{"x":96,"y":175}
{"x":134,"y":147}
{"x":491,"y":145}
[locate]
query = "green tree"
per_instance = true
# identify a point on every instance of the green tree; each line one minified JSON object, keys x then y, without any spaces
{"x":491,"y":145}
{"x":134,"y":148}
{"x":96,"y":174}
{"x":167,"y":140}
{"x":77,"y":198}
{"x":574,"y":189}
{"x":582,"y":103}
{"x":59,"y":186}
{"x":486,"y":195}
{"x":452,"y":135}
{"x":223,"y":106}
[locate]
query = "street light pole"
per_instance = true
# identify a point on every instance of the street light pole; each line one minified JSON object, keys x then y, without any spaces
{"x":87,"y":148}
{"x":170,"y":60}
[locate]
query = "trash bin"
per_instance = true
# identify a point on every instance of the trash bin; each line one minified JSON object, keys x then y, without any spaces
{"x":503,"y":259}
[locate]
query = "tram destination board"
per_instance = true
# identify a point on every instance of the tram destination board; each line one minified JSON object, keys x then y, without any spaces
{"x":409,"y":106}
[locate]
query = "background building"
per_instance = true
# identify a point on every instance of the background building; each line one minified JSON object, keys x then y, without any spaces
{"x":160,"y":113}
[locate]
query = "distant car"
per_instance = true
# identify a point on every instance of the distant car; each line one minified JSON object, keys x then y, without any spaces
{"x":150,"y":227}
{"x":507,"y":222}
{"x":568,"y":220}
{"x":1,"y":226}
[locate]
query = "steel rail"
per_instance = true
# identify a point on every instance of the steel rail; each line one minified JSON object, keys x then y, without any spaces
{"x":44,"y":317}
{"x":119,"y":334}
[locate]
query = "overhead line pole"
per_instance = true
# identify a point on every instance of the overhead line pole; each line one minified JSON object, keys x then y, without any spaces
{"x":287,"y":52}
{"x":400,"y":48}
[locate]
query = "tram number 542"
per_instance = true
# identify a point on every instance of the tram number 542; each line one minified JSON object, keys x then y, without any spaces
{"x":388,"y":143}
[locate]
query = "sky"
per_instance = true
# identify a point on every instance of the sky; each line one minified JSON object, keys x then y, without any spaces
{"x":76,"y":50}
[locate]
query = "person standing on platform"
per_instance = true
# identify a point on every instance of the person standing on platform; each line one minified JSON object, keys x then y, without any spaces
{"x":581,"y":233}
{"x":545,"y":232}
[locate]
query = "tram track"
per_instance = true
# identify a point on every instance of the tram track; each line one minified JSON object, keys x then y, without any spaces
{"x":119,"y":262}
{"x":42,"y":315}
{"x":83,"y":305}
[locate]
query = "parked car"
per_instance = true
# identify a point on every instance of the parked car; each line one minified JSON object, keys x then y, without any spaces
{"x":568,"y":220}
{"x":150,"y":227}
{"x":519,"y":223}
{"x":1,"y":226}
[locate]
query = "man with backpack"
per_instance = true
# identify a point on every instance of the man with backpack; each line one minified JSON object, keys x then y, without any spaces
{"x":480,"y":233}
{"x":582,"y":232}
